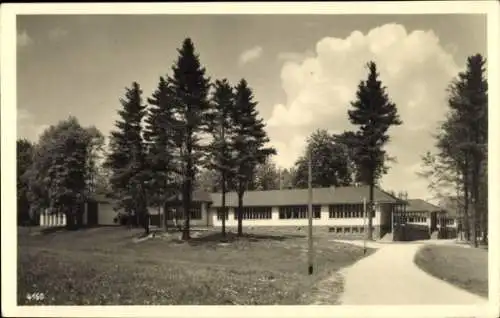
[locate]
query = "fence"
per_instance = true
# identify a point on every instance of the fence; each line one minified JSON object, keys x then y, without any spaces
{"x":52,"y":220}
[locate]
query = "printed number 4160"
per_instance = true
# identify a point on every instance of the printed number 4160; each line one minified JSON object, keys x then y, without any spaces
{"x":35,"y":296}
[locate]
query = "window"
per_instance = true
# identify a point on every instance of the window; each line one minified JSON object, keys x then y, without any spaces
{"x":347,"y":230}
{"x":336,"y":211}
{"x":338,"y":230}
{"x":299,"y":212}
{"x":361,"y":230}
{"x":177,"y":212}
{"x":355,"y":230}
{"x":195,"y":212}
{"x":170,"y":214}
{"x":220,"y":213}
{"x":255,"y":213}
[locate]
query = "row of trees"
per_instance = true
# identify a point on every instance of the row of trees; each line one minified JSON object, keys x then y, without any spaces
{"x":195,"y":133}
{"x":157,"y":149}
{"x":340,"y":159}
{"x":460,"y":163}
{"x":191,"y":124}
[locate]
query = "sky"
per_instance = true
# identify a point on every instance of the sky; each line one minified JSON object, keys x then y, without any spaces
{"x":304,"y":71}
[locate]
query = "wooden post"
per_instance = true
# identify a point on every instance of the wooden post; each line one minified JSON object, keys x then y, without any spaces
{"x":310,"y":215}
{"x":364,"y":226}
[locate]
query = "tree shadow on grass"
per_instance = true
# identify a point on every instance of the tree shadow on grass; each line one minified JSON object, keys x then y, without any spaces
{"x":216,"y":238}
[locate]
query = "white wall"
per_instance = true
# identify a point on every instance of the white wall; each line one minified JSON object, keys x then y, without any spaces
{"x":204,"y":221}
{"x":276,"y":221}
{"x":106,"y":214}
{"x":452,"y":225}
{"x":50,"y":220}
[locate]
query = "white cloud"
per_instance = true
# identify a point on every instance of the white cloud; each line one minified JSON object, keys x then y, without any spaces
{"x":250,"y":55}
{"x":57,"y":34}
{"x":414,"y":67}
{"x":294,"y":56}
{"x":23,"y":39}
{"x":27,"y":126}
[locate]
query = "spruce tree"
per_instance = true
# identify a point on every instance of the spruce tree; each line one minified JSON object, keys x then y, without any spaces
{"x":190,"y":87}
{"x":373,"y":113}
{"x":461,"y":142}
{"x":249,"y":143}
{"x":127,"y":157}
{"x":162,"y":138}
{"x":469,"y":107}
{"x":221,"y":156}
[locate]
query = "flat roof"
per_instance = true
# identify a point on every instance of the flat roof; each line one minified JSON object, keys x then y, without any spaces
{"x":419,"y":205}
{"x":286,"y":197}
{"x":324,"y":196}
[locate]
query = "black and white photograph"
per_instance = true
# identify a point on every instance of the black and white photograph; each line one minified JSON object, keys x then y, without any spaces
{"x":320,"y":158}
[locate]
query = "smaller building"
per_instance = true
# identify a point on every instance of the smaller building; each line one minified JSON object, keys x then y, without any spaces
{"x":423,"y":220}
{"x":451,"y":221}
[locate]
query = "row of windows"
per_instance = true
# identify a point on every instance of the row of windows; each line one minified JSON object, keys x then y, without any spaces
{"x":255,"y":213}
{"x":299,"y":212}
{"x":249,"y":213}
{"x":194,"y":213}
{"x":412,"y":217}
{"x":417,"y":219}
{"x":343,"y":211}
{"x":348,"y":229}
{"x":448,"y":221}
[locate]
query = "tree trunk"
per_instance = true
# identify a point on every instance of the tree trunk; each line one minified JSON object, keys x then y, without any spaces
{"x":186,"y":203}
{"x":465,"y":181}
{"x":474,"y":222}
{"x":483,"y":196}
{"x":224,"y":205}
{"x":476,"y":166}
{"x":371,"y":207}
{"x":165,"y":216}
{"x":240,"y":211}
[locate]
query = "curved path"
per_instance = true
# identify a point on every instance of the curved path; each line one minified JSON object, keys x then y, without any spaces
{"x":390,"y":277}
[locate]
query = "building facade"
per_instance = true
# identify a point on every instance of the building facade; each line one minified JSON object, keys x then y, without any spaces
{"x":339,"y":210}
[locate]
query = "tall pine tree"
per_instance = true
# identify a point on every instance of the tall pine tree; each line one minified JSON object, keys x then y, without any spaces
{"x":469,"y":105}
{"x":249,"y":142}
{"x":221,"y":155}
{"x":374,"y":113}
{"x":162,"y":138}
{"x":127,"y":157}
{"x":461,"y":142}
{"x":190,"y":87}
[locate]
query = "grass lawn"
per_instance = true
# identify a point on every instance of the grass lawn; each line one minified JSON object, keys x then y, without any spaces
{"x":104,"y":266}
{"x":466,"y":268}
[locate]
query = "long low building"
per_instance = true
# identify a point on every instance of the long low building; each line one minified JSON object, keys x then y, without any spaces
{"x":338,"y":210}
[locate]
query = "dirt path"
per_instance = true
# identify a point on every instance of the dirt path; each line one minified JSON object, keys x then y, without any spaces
{"x":390,"y":277}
